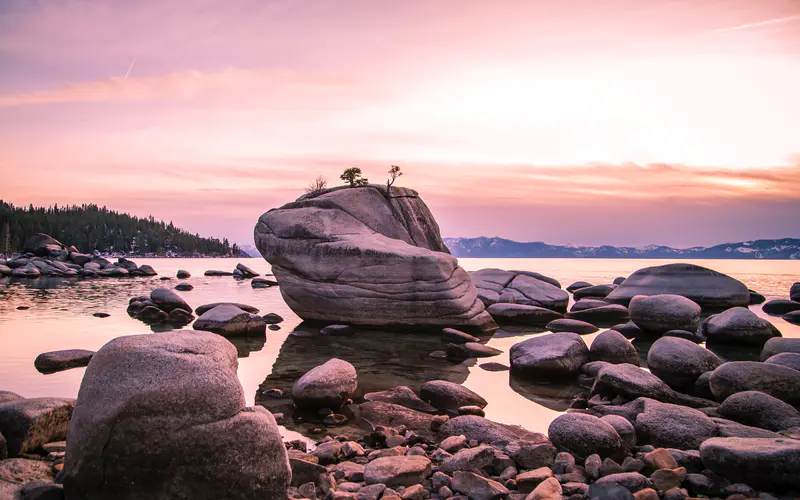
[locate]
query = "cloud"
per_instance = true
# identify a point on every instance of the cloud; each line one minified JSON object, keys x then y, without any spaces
{"x":757,"y":24}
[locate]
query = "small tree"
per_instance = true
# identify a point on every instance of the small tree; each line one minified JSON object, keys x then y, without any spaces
{"x":317,"y":186}
{"x":353,"y":176}
{"x":394,"y":173}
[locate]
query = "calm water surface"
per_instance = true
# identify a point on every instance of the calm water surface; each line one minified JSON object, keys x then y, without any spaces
{"x":60,"y":317}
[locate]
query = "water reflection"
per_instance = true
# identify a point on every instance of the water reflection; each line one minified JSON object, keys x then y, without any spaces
{"x":555,"y":396}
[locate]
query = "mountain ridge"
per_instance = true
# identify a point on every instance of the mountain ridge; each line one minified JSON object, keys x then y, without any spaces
{"x":488,"y":247}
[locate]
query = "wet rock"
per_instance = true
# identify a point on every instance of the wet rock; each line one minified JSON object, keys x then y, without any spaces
{"x":601,"y":316}
{"x":326,"y":386}
{"x":595,"y":291}
{"x":631,"y":382}
{"x":679,"y":362}
{"x":184,"y":287}
{"x":183,"y":274}
{"x":55,"y":361}
{"x":673,"y":426}
{"x":262,"y":283}
{"x":612,"y":347}
{"x":214,"y":272}
{"x":494,"y":367}
{"x":756,"y":298}
{"x":777,"y":345}
{"x":397,"y":471}
{"x":272,"y":319}
{"x":571,"y":325}
{"x":229,"y":321}
{"x":179,"y":394}
{"x":737,"y":325}
{"x":656,"y":314}
{"x":520,"y":314}
{"x":556,"y":354}
{"x":792,"y":317}
{"x":448,"y":396}
{"x":145,"y":270}
{"x":760,"y":410}
{"x":471,"y":350}
{"x":709,"y":289}
{"x":477,"y":487}
{"x":179,"y":317}
{"x":578,"y":285}
{"x":453,"y":336}
{"x":27,"y":424}
{"x":403,"y":396}
{"x":739,"y":376}
{"x":207,"y":307}
{"x":584,"y":435}
{"x":168,"y":300}
{"x":471,"y":410}
{"x":761,"y":463}
{"x":337,"y":330}
{"x":779,"y":307}
{"x":246,"y":271}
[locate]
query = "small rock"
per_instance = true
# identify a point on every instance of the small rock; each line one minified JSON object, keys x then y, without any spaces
{"x":55,"y":361}
{"x":477,"y":487}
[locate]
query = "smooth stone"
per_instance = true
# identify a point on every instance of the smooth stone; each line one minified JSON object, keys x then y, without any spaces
{"x":27,"y":424}
{"x":629,"y":330}
{"x":55,"y":361}
{"x":326,"y":386}
{"x":788,"y":359}
{"x":737,"y":325}
{"x":520,"y":314}
{"x":587,"y":303}
{"x":739,"y":376}
{"x":778,"y":345}
{"x":519,"y":287}
{"x":184,"y":287}
{"x":168,"y":300}
{"x":679,"y":362}
{"x":673,"y":426}
{"x":709,"y":289}
{"x":612,"y":347}
{"x":608,"y":491}
{"x":578,"y":285}
{"x":101,"y":315}
{"x":555,"y":354}
{"x":657,"y":314}
{"x":397,"y":471}
{"x":484,"y":430}
{"x":451,"y":335}
{"x":230,"y":321}
{"x":471,"y":350}
{"x":146,"y":270}
{"x":760,"y":410}
{"x":183,"y":274}
{"x":606,"y":315}
{"x":246,"y":270}
{"x":584,"y":435}
{"x":477,"y":487}
{"x":594,"y":291}
{"x":263,"y":283}
{"x":756,"y":298}
{"x":779,"y":307}
{"x":685,"y":334}
{"x":272,"y":318}
{"x":179,"y":317}
{"x":630,"y":382}
{"x":758,"y":462}
{"x":792,"y":317}
{"x":624,"y":428}
{"x":402,"y":396}
{"x":494,"y":367}
{"x":214,"y":272}
{"x":448,"y":396}
{"x":468,"y":459}
{"x":571,"y":325}
{"x":207,"y":307}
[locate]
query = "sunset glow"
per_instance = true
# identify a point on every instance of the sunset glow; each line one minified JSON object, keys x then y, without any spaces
{"x":513,"y":119}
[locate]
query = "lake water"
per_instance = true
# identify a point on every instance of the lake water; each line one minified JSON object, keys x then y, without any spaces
{"x":60,"y":317}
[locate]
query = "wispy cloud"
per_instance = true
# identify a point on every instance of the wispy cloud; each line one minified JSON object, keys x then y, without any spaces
{"x":757,"y":24}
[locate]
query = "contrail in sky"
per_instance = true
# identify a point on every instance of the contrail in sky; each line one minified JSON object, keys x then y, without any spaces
{"x":130,"y":68}
{"x":768,"y":22}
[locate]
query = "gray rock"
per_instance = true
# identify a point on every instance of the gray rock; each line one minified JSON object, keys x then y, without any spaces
{"x":468,"y":459}
{"x":453,"y":336}
{"x":518,"y":287}
{"x":183,"y":274}
{"x":471,"y":350}
{"x":42,"y":245}
{"x":777,"y":345}
{"x":612,"y":347}
{"x":520,"y":314}
{"x":326,"y":386}
{"x":272,"y":319}
{"x":184,"y":287}
{"x":595,"y":291}
{"x":15,"y":473}
{"x":397,"y":471}
{"x":27,"y":424}
{"x":246,"y":271}
{"x":686,"y":335}
{"x":761,"y":463}
{"x":624,"y":428}
{"x":779,"y":307}
{"x":477,"y":487}
{"x":709,"y":289}
{"x":673,"y":426}
{"x":262,"y":283}
{"x":739,"y":376}
{"x":214,"y":272}
{"x":584,"y":435}
{"x":578,"y":285}
{"x":207,"y":307}
{"x":584,"y":304}
{"x":792,"y":317}
{"x":656,"y":314}
{"x":794,"y":291}
{"x":531,"y":455}
{"x":179,"y":395}
{"x":788,"y":359}
{"x":629,"y":330}
{"x":230,"y":321}
{"x":555,"y":354}
{"x":760,"y":410}
{"x":737,"y":325}
{"x":679,"y":362}
{"x":487,"y":431}
{"x":605,"y":315}
{"x":608,"y":491}
{"x":393,"y":415}
{"x":402,"y":396}
{"x":631,"y":382}
{"x":729,"y":428}
{"x":633,"y":481}
{"x":571,"y":325}
{"x":378,"y":261}
{"x":146,"y":270}
{"x":168,"y":300}
{"x":448,"y":396}
{"x":55,"y":361}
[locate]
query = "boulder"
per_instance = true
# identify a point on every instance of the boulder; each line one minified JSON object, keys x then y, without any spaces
{"x":477,"y":487}
{"x":794,"y":291}
{"x":792,"y":317}
{"x":246,"y":271}
{"x":612,"y":347}
{"x":471,"y":350}
{"x":686,"y":335}
{"x":184,"y":287}
{"x":584,"y":304}
{"x":183,"y":274}
{"x":451,"y":335}
{"x":520,"y":314}
{"x":596,"y":291}
{"x":584,"y":435}
{"x":230,"y":321}
{"x":739,"y":376}
{"x":789,"y":359}
{"x":518,"y":287}
{"x":402,"y":396}
{"x":377,"y":260}
{"x":656,"y":314}
{"x":777,"y":345}
{"x":487,"y":431}
{"x":27,"y":424}
{"x":214,"y":272}
{"x":55,"y":361}
{"x":327,"y":386}
{"x":578,"y":285}
{"x":16,"y":473}
{"x":629,"y":330}
{"x":779,"y":307}
{"x":762,"y":463}
{"x":624,"y":428}
{"x":163,"y":415}
{"x":605,"y":315}
{"x":759,"y":410}
{"x":673,"y":426}
{"x":738,"y":325}
{"x":551,"y":355}
{"x":397,"y":471}
{"x":630,"y":382}
{"x":571,"y":325}
{"x":756,"y":298}
{"x":167,"y":300}
{"x":207,"y":307}
{"x":468,"y":459}
{"x":709,"y":289}
{"x":679,"y":362}
{"x":448,"y":396}
{"x":42,"y":245}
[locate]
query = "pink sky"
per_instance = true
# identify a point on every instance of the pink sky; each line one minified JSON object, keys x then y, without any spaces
{"x":597,"y":122}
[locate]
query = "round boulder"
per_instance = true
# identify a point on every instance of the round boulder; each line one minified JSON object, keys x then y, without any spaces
{"x":760,"y":410}
{"x":605,"y":315}
{"x":612,"y":347}
{"x":584,"y":304}
{"x":789,"y":359}
{"x":779,"y":307}
{"x":326,"y":386}
{"x":759,"y":462}
{"x":571,"y":325}
{"x":624,"y":428}
{"x":585,"y":435}
{"x":777,"y":345}
{"x":596,"y":291}
{"x":230,"y":321}
{"x":657,"y":314}
{"x":552,"y":355}
{"x":679,"y":362}
{"x":738,"y":325}
{"x":578,"y":285}
{"x":630,"y":382}
{"x":448,"y":396}
{"x":168,"y":300}
{"x":739,"y":376}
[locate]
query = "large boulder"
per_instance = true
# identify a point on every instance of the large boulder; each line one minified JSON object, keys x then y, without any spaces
{"x":657,"y":314}
{"x":521,"y":314}
{"x":448,"y":396}
{"x":607,"y":315}
{"x":794,"y":291}
{"x":779,"y":307}
{"x":790,"y":359}
{"x":760,"y":410}
{"x":612,"y":347}
{"x":759,"y":462}
{"x":230,"y":321}
{"x":362,"y":257}
{"x":739,"y":376}
{"x":398,"y":471}
{"x":552,"y":355}
{"x":168,"y":300}
{"x":630,"y":382}
{"x":487,"y":431}
{"x":327,"y":386}
{"x":42,"y":245}
{"x":679,"y":362}
{"x":163,"y":416}
{"x":27,"y":424}
{"x":673,"y":426}
{"x":709,"y":289}
{"x":737,"y":325}
{"x":778,"y":345}
{"x":584,"y":435}
{"x":518,"y":287}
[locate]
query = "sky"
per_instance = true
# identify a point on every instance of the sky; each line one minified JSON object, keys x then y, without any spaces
{"x":623,"y":122}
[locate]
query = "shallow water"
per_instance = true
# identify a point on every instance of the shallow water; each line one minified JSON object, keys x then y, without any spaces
{"x":60,"y":317}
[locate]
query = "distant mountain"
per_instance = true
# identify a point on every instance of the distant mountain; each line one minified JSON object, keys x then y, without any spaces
{"x":249,"y":251}
{"x":786,"y":248}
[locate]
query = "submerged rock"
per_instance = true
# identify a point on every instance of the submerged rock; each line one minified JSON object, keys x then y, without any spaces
{"x":55,"y":361}
{"x":326,"y":386}
{"x":737,"y":325}
{"x":552,"y":355}
{"x":470,"y":350}
{"x":167,"y":300}
{"x":656,"y":314}
{"x":403,"y":396}
{"x":378,"y":260}
{"x":779,"y":307}
{"x":228,"y":320}
{"x":596,"y":291}
{"x":207,"y":307}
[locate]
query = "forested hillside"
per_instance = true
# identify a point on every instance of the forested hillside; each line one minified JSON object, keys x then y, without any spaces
{"x":90,"y":228}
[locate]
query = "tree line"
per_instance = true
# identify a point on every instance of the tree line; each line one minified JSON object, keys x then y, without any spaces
{"x":92,"y":228}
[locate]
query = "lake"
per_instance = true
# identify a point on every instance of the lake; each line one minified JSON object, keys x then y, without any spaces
{"x":60,"y":317}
